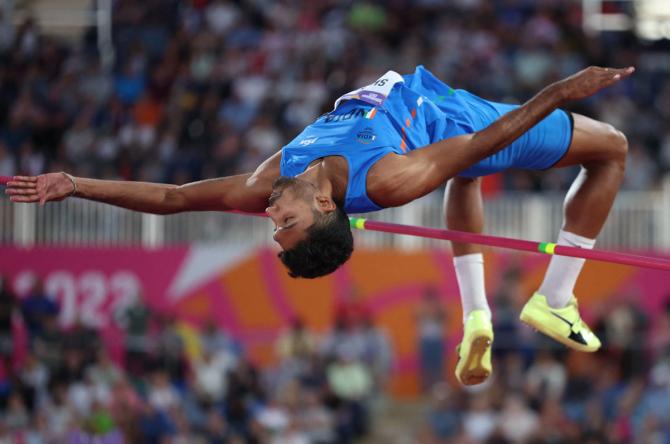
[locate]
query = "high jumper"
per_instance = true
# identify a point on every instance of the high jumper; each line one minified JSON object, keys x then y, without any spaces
{"x":389,"y":143}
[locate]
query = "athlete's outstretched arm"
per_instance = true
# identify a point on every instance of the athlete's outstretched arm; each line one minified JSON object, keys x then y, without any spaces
{"x":421,"y":171}
{"x":246,"y":192}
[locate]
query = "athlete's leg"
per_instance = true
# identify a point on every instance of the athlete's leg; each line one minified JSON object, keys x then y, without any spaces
{"x":601,"y":151}
{"x":464,"y":212}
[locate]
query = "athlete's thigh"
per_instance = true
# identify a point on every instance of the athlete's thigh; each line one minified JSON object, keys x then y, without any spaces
{"x":592,"y":141}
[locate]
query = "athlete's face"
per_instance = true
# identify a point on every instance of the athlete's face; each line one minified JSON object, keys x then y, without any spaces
{"x":292,"y":206}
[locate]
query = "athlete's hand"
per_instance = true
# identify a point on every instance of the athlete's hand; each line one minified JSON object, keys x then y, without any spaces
{"x":44,"y":188}
{"x":591,"y":80}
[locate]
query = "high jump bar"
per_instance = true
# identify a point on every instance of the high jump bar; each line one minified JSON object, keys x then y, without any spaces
{"x":616,"y":257}
{"x":493,"y":241}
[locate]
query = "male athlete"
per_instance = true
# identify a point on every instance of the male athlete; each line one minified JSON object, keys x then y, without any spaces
{"x":394,"y":141}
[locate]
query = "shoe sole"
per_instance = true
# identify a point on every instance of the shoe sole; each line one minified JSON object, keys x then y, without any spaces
{"x":529,"y":320}
{"x":473,"y":371}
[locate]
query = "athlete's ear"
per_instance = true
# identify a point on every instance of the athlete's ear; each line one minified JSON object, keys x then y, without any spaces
{"x":325,"y":203}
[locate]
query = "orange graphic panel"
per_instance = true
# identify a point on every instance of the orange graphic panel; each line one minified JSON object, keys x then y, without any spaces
{"x":249,"y":297}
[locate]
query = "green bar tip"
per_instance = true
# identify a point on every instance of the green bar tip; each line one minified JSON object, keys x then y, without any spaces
{"x":357,"y":222}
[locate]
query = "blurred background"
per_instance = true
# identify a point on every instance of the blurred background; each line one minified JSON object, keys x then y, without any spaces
{"x":125,"y":327}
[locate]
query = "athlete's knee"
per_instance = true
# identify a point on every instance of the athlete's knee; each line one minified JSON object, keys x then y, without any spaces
{"x":613,"y":151}
{"x":618,"y":145}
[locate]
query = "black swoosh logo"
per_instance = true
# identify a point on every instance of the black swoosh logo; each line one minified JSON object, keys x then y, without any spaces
{"x":577,"y":337}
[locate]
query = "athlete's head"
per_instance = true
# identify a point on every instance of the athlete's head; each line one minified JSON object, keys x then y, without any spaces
{"x":312,"y":230}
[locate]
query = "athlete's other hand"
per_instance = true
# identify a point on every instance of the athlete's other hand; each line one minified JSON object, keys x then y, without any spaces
{"x":591,"y":80}
{"x":44,"y":188}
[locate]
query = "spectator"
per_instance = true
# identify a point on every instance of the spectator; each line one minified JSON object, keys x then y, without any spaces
{"x":480,"y":421}
{"x":216,"y":340}
{"x":317,"y":422}
{"x":295,"y":348}
{"x":444,"y":418}
{"x":506,"y":310}
{"x":351,"y":309}
{"x":431,"y":318}
{"x":344,"y":338}
{"x":8,"y":307}
{"x":623,"y":339}
{"x":48,"y":344}
{"x":244,"y":392}
{"x":274,"y":420}
{"x":517,"y":422}
{"x":34,"y":379}
{"x":126,"y":406}
{"x":57,"y":412}
{"x":37,"y":308}
{"x":546,"y":378}
{"x":155,"y":425}
{"x":83,"y":339}
{"x":104,"y":372}
{"x":211,"y":375}
{"x":216,"y":430}
{"x":16,"y":414}
{"x":129,"y":85}
{"x":170,"y":348}
{"x":134,"y":319}
{"x":161,"y":395}
{"x":351,"y":383}
{"x":377,"y":353}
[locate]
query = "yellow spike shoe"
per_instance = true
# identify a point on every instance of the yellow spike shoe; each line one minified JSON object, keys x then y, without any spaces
{"x":562,"y":324}
{"x":474,"y":351}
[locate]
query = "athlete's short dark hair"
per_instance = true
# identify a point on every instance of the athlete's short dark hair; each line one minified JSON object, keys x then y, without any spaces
{"x":329,"y":244}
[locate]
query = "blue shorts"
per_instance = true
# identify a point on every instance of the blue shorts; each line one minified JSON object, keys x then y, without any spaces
{"x":539,"y":148}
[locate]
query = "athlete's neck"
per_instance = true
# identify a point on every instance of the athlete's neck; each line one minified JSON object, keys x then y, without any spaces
{"x":329,"y":176}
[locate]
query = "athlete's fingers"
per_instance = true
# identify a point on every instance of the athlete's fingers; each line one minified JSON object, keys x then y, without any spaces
{"x":25,"y":178}
{"x":610,"y":76}
{"x":618,"y":74}
{"x":16,"y":184}
{"x":625,"y":72}
{"x":20,"y":191}
{"x":24,"y":199}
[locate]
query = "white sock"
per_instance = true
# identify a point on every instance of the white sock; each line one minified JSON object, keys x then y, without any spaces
{"x":470,"y":277}
{"x":559,"y":281}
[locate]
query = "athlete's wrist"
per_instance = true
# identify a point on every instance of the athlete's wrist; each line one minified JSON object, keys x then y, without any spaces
{"x":557,"y":93}
{"x":73,"y":181}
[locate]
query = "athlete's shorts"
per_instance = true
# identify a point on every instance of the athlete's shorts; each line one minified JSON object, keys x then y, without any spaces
{"x":539,"y":148}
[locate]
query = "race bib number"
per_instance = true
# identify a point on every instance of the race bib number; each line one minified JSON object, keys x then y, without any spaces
{"x":375,"y":93}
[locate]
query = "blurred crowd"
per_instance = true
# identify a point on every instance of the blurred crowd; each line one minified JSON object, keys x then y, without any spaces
{"x":169,"y":386}
{"x":202,"y":88}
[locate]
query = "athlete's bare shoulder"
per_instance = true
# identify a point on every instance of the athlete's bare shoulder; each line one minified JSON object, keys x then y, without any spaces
{"x":269,"y":170}
{"x":249,"y":191}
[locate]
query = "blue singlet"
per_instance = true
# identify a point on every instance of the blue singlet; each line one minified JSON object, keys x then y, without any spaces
{"x":400,"y":114}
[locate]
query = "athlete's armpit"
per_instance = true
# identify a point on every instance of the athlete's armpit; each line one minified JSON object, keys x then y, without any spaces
{"x":396,"y":180}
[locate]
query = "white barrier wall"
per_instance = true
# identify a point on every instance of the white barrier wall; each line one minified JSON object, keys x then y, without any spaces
{"x":639,"y":220}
